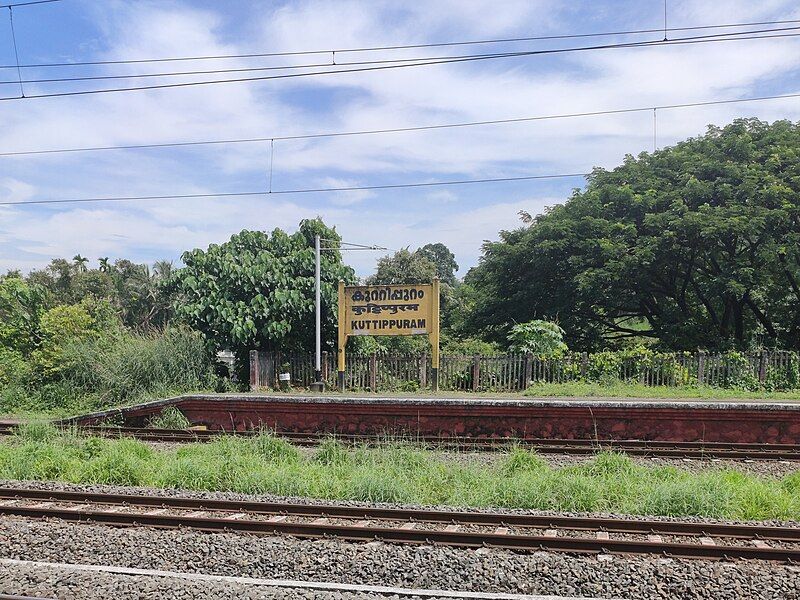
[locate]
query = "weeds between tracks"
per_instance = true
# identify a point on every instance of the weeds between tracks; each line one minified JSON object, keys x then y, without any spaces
{"x":396,"y":472}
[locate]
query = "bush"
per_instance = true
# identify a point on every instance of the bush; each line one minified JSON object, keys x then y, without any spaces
{"x":136,"y":365}
{"x":13,"y":367}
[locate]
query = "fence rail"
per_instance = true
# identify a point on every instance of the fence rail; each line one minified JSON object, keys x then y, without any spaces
{"x":774,"y":370}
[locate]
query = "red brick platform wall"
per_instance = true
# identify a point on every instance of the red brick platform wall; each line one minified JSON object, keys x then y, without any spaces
{"x":667,"y":421}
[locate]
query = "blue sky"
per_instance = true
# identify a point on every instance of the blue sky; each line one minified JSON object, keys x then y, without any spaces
{"x":461,"y":217}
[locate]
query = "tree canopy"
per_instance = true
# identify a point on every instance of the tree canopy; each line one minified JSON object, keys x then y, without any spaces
{"x":696,"y":245}
{"x":256,"y":291}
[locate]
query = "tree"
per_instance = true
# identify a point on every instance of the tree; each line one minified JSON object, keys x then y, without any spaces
{"x":105,"y":265}
{"x":401,"y":267}
{"x":444,"y":261}
{"x":421,"y":266}
{"x":256,"y":291}
{"x":697,"y":245}
{"x":80,"y":263}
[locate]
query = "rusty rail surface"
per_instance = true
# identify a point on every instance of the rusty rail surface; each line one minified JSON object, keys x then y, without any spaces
{"x":208,"y":515}
{"x":667,"y":449}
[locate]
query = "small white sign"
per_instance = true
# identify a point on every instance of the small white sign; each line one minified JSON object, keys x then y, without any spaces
{"x":285,"y":376}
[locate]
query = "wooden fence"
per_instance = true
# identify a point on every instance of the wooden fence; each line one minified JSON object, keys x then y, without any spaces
{"x":516,"y":372}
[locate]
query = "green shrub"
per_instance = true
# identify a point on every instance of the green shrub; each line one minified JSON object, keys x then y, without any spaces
{"x":169,"y":418}
{"x":136,"y":365}
{"x":13,"y":367}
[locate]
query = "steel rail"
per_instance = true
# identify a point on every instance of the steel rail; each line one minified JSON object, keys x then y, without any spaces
{"x":423,"y":515}
{"x":445,"y":537}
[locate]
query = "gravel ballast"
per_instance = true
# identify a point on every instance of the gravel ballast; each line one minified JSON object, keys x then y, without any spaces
{"x":402,"y":566}
{"x":87,"y":582}
{"x":394,"y":565}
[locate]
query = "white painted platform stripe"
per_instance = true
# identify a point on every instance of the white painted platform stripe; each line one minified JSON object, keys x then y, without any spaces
{"x":281,"y":583}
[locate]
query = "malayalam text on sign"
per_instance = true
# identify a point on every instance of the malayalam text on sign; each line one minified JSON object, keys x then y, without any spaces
{"x":388,"y":309}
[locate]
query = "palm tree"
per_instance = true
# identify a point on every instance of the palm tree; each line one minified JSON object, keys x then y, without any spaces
{"x":105,"y":266}
{"x":80,"y":263}
{"x":162,"y":269}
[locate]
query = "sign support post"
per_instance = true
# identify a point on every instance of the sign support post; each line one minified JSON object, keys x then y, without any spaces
{"x":434,"y":336}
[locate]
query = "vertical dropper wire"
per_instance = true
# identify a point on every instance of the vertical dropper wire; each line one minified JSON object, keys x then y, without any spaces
{"x":16,"y":52}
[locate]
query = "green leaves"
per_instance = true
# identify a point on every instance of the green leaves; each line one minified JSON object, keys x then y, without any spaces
{"x":697,"y":245}
{"x":257,"y":289}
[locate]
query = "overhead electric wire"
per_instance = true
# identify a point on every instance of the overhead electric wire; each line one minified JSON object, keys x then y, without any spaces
{"x":399,"y":47}
{"x":295,"y":191}
{"x":467,"y":58}
{"x":276,"y":138}
{"x":731,"y":35}
{"x":27,"y":4}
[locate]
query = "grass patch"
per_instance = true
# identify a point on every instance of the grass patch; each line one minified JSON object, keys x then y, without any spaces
{"x":398,"y":472}
{"x":169,"y":418}
{"x":631,"y":390}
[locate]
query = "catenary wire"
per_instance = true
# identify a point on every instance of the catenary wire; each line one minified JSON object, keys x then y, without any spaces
{"x":678,"y":41}
{"x":27,"y":4}
{"x":394,"y":61}
{"x":296,"y":191}
{"x":398,"y":47}
{"x":404,"y":129}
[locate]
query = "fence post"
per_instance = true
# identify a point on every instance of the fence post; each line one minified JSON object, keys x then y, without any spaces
{"x":528,"y":371}
{"x":701,"y":367}
{"x":373,"y":373}
{"x":762,"y":367}
{"x":584,"y":365}
{"x":325,"y":366}
{"x":254,"y":383}
{"x":476,"y":372}
{"x":423,"y":370}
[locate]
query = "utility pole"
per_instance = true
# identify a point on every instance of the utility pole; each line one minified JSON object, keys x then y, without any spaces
{"x":318,"y":385}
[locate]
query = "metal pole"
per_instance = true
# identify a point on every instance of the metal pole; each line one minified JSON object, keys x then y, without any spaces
{"x":318,"y":383}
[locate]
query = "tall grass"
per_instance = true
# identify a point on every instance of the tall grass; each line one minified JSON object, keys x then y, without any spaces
{"x":117,"y":369}
{"x":400,"y":472}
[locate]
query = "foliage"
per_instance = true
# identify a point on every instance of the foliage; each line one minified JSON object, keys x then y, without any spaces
{"x":58,"y":327}
{"x":21,"y":306}
{"x":701,"y":241}
{"x":100,"y":371}
{"x":169,"y":418}
{"x":137,"y":365}
{"x":13,"y":367}
{"x":467,"y":346}
{"x":444,"y":261}
{"x":256,"y":291}
{"x":401,"y":472}
{"x":538,"y":337}
{"x":137,"y":293}
{"x":421,"y":266}
{"x":403,"y":266}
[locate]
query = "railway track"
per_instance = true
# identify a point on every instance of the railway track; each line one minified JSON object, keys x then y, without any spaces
{"x":579,"y":535}
{"x":666,"y":449}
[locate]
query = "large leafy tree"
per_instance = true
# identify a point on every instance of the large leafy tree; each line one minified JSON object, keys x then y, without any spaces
{"x":256,"y":291}
{"x":697,"y":245}
{"x":443,"y":259}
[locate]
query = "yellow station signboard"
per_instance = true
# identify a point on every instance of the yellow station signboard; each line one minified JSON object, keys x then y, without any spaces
{"x":389,"y":310}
